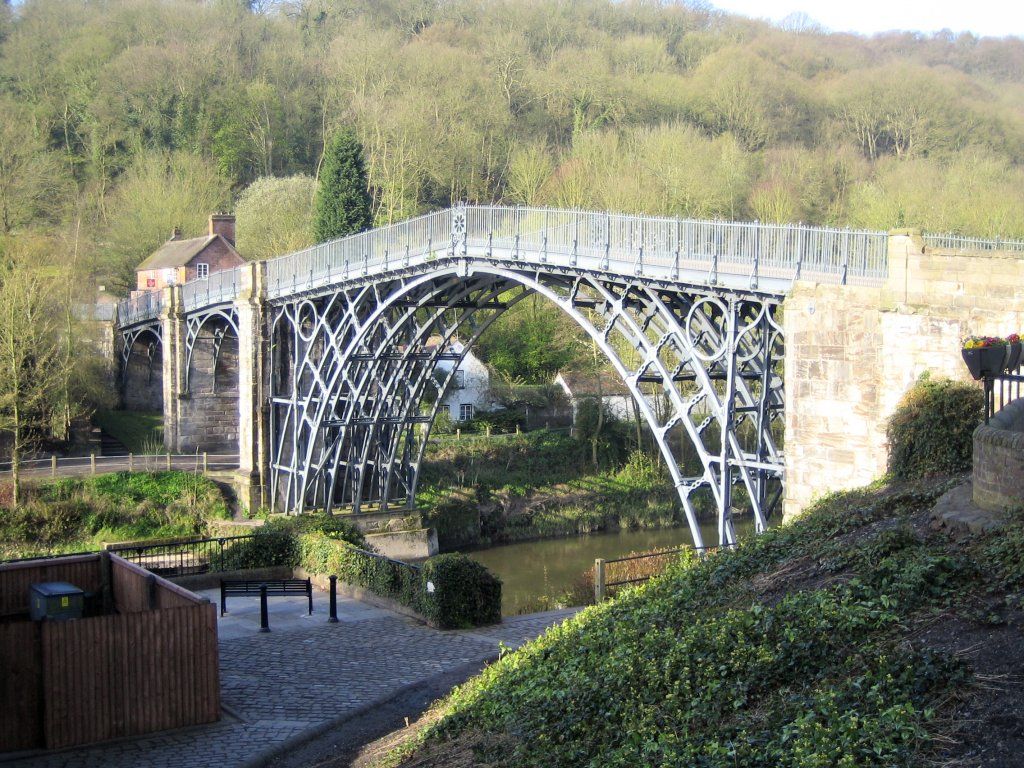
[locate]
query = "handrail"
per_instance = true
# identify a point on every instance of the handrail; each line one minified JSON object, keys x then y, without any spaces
{"x":217,"y":287}
{"x":143,"y":306}
{"x":964,"y":243}
{"x":620,"y":242}
{"x":131,"y":462}
{"x":662,"y":247}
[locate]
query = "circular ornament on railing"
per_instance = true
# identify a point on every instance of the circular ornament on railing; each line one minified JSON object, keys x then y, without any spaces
{"x":715,"y":312}
{"x":459,"y":221}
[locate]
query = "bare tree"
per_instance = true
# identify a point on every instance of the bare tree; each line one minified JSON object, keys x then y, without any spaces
{"x":32,"y":359}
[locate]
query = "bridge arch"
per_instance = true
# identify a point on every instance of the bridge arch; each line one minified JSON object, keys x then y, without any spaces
{"x":344,"y":430}
{"x":142,"y":351}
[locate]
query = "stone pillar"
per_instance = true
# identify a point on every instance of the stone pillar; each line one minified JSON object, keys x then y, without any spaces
{"x":853,"y":352}
{"x":252,"y":475}
{"x":172,"y":326}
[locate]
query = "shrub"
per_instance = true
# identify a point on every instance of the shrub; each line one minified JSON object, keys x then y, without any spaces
{"x":931,"y":431}
{"x":267,"y":548}
{"x":332,"y":526}
{"x":465,"y":593}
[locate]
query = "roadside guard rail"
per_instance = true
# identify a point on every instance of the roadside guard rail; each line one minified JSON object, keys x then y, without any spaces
{"x":76,"y":466}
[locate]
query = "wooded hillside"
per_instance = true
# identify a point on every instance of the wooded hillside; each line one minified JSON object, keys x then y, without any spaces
{"x":128,"y":117}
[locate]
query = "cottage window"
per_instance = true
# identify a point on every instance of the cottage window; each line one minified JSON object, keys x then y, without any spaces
{"x":445,"y":409}
{"x":460,"y":379}
{"x":465,"y":412}
{"x":202,"y":271}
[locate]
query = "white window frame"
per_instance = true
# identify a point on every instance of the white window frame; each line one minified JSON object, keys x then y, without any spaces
{"x":466,"y":412}
{"x":446,"y":409}
{"x":460,"y":379}
{"x":202,"y":271}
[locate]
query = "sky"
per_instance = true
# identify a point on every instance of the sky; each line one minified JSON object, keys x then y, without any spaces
{"x":996,"y":18}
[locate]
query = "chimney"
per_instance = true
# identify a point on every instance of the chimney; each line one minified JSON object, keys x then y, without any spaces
{"x":176,"y":233}
{"x":223,"y":224}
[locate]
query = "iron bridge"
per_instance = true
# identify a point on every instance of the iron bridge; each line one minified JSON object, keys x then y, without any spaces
{"x":686,"y":312}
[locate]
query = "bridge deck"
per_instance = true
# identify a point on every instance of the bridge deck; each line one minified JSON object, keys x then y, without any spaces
{"x":734,"y":255}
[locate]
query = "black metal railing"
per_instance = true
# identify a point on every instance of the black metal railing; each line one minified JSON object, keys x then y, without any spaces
{"x":1002,"y":389}
{"x":184,"y":557}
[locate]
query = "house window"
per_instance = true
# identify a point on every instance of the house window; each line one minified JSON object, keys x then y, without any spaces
{"x":170,"y":276}
{"x":444,"y":409}
{"x":465,"y":412}
{"x":460,"y":379}
{"x":202,"y":271}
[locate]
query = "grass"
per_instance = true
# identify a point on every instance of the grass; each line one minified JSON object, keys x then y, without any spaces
{"x":81,"y":513}
{"x":139,"y":431}
{"x":842,"y":639}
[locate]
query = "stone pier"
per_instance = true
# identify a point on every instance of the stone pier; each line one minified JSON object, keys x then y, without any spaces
{"x":853,"y":351}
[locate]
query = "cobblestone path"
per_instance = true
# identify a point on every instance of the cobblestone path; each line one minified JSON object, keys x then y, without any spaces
{"x":276,"y":686}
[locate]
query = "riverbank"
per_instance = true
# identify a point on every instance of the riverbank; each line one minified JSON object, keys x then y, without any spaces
{"x":860,"y":634}
{"x":76,"y":514}
{"x":539,"y":485}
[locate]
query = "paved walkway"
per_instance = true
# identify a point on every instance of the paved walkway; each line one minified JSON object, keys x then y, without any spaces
{"x":299,"y":678}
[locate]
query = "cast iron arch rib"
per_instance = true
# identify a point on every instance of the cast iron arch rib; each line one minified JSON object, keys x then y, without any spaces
{"x":357,"y":371}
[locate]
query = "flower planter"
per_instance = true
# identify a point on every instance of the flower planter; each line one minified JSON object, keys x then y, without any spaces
{"x":1013,"y":358}
{"x":985,"y":361}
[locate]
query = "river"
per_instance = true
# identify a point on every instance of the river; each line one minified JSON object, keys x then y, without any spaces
{"x":531,"y":569}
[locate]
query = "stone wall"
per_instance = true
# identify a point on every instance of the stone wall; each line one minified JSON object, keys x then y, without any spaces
{"x":998,"y":476}
{"x":208,"y":413}
{"x":852,"y":352}
{"x":142,"y":380}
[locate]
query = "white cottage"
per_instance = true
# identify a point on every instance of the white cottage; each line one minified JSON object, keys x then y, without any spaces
{"x":615,"y":396}
{"x":470,"y":393}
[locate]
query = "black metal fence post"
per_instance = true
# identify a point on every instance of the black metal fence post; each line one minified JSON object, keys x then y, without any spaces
{"x":264,"y":619}
{"x":334,"y":601}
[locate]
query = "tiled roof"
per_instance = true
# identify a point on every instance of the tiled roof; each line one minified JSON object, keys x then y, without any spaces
{"x":587,"y":385}
{"x":178,"y":253}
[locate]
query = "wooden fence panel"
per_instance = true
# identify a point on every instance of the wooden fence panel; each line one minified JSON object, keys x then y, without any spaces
{"x":16,"y":578}
{"x":21,"y":726}
{"x":125,"y":675}
{"x":132,"y":589}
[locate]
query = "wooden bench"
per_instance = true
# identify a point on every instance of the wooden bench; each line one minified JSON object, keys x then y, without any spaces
{"x":274,"y":587}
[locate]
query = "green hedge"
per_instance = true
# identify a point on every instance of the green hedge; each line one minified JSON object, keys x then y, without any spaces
{"x":465,"y":593}
{"x":931,"y":431}
{"x":451,"y":591}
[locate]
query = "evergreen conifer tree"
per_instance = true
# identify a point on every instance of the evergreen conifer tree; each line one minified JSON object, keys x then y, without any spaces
{"x":343,"y":204}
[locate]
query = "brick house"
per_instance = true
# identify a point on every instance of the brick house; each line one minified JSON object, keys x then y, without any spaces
{"x":179,"y":261}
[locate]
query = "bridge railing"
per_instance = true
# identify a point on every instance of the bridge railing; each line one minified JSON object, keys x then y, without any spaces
{"x":961,"y":243}
{"x":377,"y":249}
{"x":625,"y":243}
{"x":139,"y":308}
{"x":635,"y":244}
{"x":214,"y":289}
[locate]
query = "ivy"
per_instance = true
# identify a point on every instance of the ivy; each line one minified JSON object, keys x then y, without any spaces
{"x":699,"y":668}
